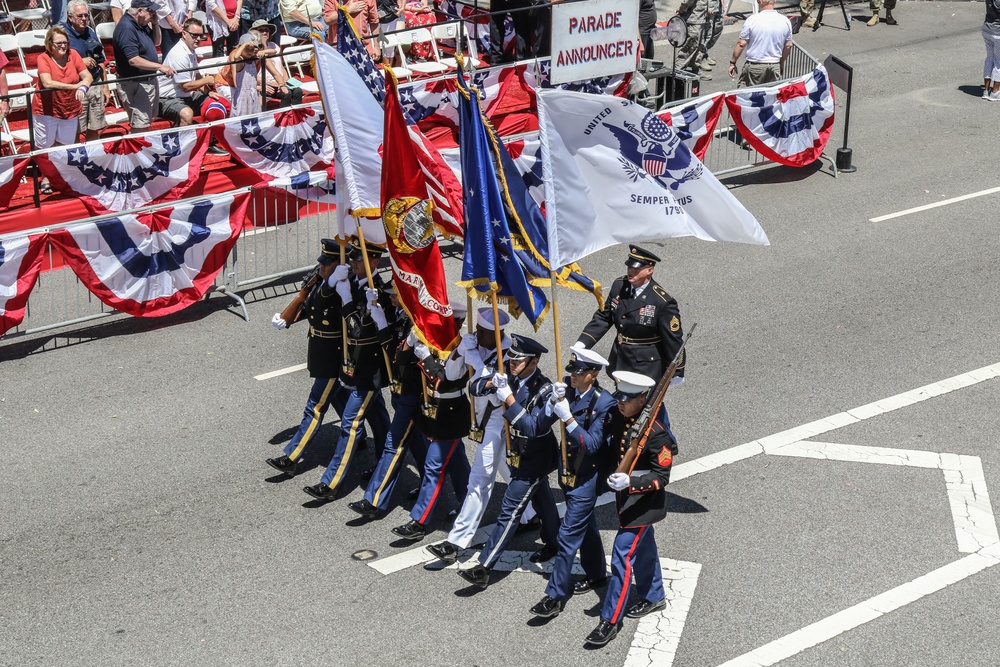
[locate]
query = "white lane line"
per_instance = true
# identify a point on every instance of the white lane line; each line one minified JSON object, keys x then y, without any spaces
{"x":926,"y":207}
{"x":869,"y":610}
{"x":283,"y":371}
{"x":658,"y":635}
{"x":965,"y":483}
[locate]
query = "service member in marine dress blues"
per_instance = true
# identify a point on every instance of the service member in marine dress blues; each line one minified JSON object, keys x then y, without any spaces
{"x":646,"y":318}
{"x":368,"y":331}
{"x":583,"y":407}
{"x":642,"y":501}
{"x":524,"y":391}
{"x":322,"y":309}
{"x":406,"y":399}
{"x":444,"y":420}
{"x":479,"y":350}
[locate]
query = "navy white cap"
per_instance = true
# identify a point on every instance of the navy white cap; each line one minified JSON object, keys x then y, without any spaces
{"x":484,"y":318}
{"x":631,"y":385}
{"x":583,"y":359}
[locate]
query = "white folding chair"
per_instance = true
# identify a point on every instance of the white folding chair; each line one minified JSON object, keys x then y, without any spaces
{"x":105,"y":31}
{"x":391,"y":41}
{"x":30,"y":39}
{"x":96,"y":9}
{"x":442,"y":31}
{"x":33,"y":15}
{"x":112,"y":87}
{"x":423,"y":36}
{"x":14,"y":138}
{"x":8,"y":44}
{"x":211,"y":66}
{"x":296,"y":55}
{"x":19,"y":82}
{"x":203,"y":52}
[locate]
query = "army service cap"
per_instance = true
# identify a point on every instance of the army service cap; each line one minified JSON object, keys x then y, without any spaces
{"x":329,"y":251}
{"x":640,"y":257}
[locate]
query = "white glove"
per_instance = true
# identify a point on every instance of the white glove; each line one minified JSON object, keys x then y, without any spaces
{"x":371,"y":295}
{"x":344,"y":290}
{"x":278,"y":322}
{"x":558,"y":392}
{"x":499,"y":380}
{"x":618,"y":481}
{"x":421,"y":351}
{"x":411,"y":339}
{"x":562,"y":410}
{"x":339,"y":274}
{"x":378,"y":315}
{"x":469,"y":343}
{"x":503,"y":389}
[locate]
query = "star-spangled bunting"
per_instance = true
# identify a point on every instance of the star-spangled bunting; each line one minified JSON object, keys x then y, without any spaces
{"x":20,"y":262}
{"x":349,"y":45}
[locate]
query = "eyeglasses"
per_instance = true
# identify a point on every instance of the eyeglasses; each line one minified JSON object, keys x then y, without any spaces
{"x":198,"y":36}
{"x":81,"y":16}
{"x":60,"y":44}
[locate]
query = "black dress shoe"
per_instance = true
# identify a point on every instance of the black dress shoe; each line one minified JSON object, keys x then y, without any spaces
{"x":414,"y":530}
{"x":602,"y":634}
{"x":529,"y":526}
{"x":320,"y":492}
{"x":363,"y":507}
{"x":641,"y":608}
{"x":585,"y":585}
{"x":544,"y":554}
{"x":282,"y":464}
{"x":548,"y":607}
{"x":413,"y":494}
{"x":367,"y":473}
{"x":445,"y":551}
{"x":478,"y":576}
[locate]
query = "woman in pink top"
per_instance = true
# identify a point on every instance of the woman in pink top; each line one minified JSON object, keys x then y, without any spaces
{"x":364,"y":16}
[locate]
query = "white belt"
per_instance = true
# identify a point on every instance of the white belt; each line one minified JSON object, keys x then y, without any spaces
{"x":447,"y":394}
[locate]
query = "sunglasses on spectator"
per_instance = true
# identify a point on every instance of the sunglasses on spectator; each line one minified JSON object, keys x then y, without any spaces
{"x":198,"y":36}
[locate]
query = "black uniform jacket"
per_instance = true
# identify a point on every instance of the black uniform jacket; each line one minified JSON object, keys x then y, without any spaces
{"x":404,"y":365}
{"x":648,"y":326}
{"x":365,"y":343}
{"x":644,"y":502}
{"x":322,"y":309}
{"x":531,"y":429}
{"x":450,"y":397}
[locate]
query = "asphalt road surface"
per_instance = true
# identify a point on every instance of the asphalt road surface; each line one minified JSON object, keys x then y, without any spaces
{"x":140,"y":525}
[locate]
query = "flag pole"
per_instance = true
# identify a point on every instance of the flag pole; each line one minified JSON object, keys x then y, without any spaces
{"x":513,"y":458}
{"x":371,"y":285}
{"x":568,"y":478}
{"x":342,"y":242}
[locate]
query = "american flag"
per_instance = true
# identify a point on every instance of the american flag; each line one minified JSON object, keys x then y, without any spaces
{"x":442,"y":186}
{"x":349,"y":45}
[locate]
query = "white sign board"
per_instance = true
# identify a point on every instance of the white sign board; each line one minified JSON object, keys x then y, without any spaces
{"x":594,"y":38}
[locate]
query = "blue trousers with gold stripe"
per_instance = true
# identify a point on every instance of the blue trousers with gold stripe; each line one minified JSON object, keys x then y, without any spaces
{"x":403,"y":436}
{"x":361,"y":406}
{"x":634,"y":556}
{"x":324,"y":393}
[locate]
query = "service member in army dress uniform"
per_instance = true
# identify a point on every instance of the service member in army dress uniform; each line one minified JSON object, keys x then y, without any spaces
{"x":646,"y":318}
{"x":322,"y":309}
{"x":531,"y":457}
{"x":642,"y":501}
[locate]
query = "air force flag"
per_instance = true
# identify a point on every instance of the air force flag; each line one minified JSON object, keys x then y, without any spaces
{"x":616,"y":173}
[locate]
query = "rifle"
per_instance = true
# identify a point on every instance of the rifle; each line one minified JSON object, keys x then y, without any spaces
{"x":293,"y":310}
{"x":639,"y":432}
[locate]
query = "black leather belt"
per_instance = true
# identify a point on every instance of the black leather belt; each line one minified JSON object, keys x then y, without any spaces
{"x":625,"y":340}
{"x":324,"y":334}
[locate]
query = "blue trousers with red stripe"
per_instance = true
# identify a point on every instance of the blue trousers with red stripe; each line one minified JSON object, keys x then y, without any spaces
{"x":403,"y":437}
{"x":634,"y":556}
{"x":324,"y":393}
{"x":361,"y":406}
{"x":444,"y":457}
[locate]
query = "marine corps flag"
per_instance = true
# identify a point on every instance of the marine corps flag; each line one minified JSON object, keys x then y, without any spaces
{"x":409,"y":229}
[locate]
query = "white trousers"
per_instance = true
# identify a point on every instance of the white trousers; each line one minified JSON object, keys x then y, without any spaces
{"x":491,"y":458}
{"x":991,"y":67}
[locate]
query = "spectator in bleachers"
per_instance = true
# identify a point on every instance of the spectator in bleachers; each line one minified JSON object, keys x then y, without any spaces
{"x":255,"y":11}
{"x":135,"y":40}
{"x":182,"y":95}
{"x":303,"y":17}
{"x":224,"y":24}
{"x":4,"y":104}
{"x":57,"y":12}
{"x":274,"y":78}
{"x":56,"y":114}
{"x":85,"y":42}
{"x":171,"y":16}
{"x":118,"y":9}
{"x":237,"y":81}
{"x":390,"y":18}
{"x":364,"y":16}
{"x":419,"y":13}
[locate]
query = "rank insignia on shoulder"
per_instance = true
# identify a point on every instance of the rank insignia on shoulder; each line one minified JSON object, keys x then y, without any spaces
{"x":665,"y":458}
{"x":675,"y":324}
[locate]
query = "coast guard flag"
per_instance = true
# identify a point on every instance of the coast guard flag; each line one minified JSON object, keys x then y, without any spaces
{"x":20,"y":262}
{"x":158,"y":262}
{"x":788,"y":124}
{"x":356,"y":118}
{"x":281,"y":143}
{"x":695,"y":122}
{"x":489,"y":263}
{"x":130,"y":172}
{"x":616,"y":173}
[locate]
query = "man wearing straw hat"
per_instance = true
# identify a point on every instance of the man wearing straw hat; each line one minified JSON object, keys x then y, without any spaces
{"x":642,"y":501}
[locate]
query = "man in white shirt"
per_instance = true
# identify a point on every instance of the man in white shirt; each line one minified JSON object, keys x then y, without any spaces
{"x":182,"y":95}
{"x":171,"y":16}
{"x":767,"y":38}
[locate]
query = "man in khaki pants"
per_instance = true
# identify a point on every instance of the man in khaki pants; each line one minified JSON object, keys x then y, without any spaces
{"x":876,"y":6}
{"x":767,"y":38}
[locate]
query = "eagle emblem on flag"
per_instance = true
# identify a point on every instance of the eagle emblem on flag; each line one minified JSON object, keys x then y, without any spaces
{"x":408,"y":223}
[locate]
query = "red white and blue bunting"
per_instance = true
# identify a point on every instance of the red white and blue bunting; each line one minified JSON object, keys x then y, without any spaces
{"x":156,"y":263}
{"x":282,"y":143}
{"x":319,"y":186}
{"x":128,"y":173}
{"x":695,"y":121}
{"x":789,"y":124}
{"x":20,"y":262}
{"x":11,"y":171}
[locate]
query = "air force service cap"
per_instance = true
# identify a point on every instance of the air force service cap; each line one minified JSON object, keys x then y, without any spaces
{"x":631,"y":385}
{"x":525,"y":348}
{"x":583,"y":360}
{"x":640,"y":257}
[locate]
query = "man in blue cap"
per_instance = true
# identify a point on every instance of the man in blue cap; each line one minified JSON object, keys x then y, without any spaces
{"x":532,"y":456}
{"x":583,"y":406}
{"x":642,"y":501}
{"x":646,"y":318}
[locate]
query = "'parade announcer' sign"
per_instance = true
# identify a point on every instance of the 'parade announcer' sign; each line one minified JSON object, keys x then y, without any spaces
{"x":594,"y":38}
